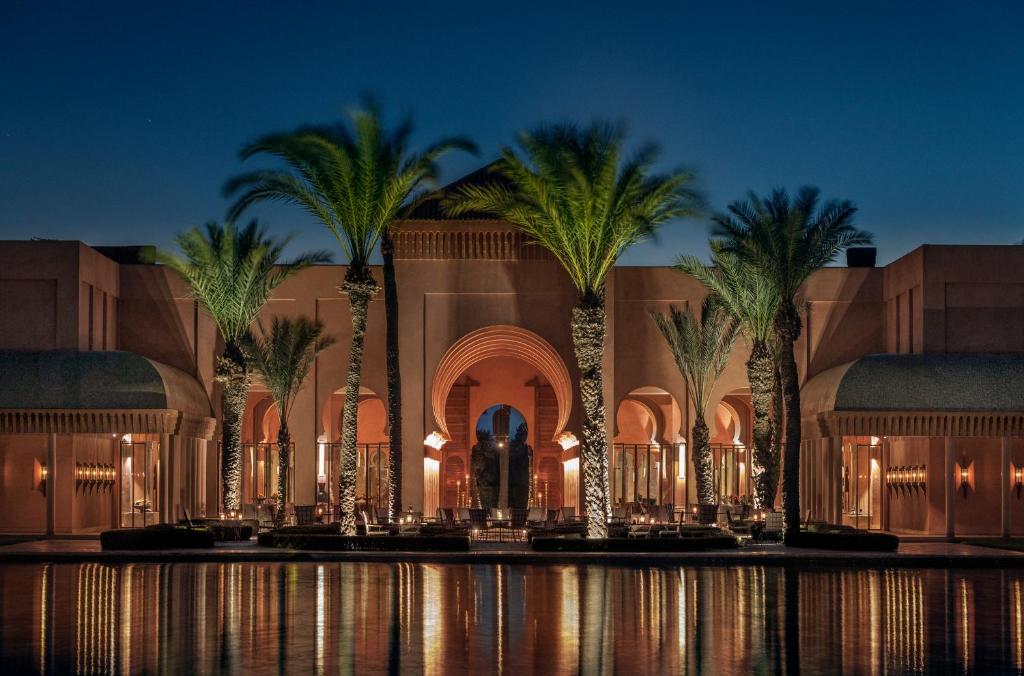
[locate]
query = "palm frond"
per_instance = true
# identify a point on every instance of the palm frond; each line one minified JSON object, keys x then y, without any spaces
{"x":232,"y":271}
{"x":701,"y":347}
{"x":354,"y":178}
{"x":569,"y":191}
{"x":283,"y":355}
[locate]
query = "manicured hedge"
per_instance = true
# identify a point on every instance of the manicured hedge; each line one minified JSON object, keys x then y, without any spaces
{"x":844,"y":540}
{"x":363,"y":543}
{"x":638,"y":545}
{"x":157,"y":537}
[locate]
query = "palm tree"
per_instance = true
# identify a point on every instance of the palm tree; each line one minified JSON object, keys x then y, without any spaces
{"x":569,"y":191}
{"x":231,"y":273}
{"x":282,"y":357}
{"x":753,"y":300}
{"x":701,"y":350}
{"x":355,"y":178}
{"x":787,"y":240}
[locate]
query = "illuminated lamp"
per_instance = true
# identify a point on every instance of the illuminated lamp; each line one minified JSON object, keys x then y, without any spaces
{"x":567,"y":440}
{"x":1018,"y":480}
{"x":435,"y":440}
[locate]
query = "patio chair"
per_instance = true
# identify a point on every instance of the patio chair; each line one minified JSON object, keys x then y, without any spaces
{"x":568,"y":514}
{"x":552,"y":518}
{"x":737,"y":525}
{"x":265,"y":516}
{"x":535,"y":516}
{"x":707,"y":515}
{"x":305,"y":515}
{"x":373,"y":528}
{"x":620,"y":514}
{"x":774,"y":523}
{"x":463,"y":514}
{"x":478,"y":523}
{"x":446,"y":517}
{"x":640,"y":530}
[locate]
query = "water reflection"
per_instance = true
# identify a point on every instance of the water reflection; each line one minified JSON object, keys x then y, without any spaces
{"x":445,"y":619}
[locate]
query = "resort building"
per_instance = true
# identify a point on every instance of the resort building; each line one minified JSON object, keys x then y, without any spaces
{"x":913,"y":387}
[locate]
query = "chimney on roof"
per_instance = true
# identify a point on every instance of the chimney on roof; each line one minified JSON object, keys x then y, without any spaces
{"x":861,"y":257}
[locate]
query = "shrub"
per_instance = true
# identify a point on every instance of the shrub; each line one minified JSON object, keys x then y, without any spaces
{"x":157,"y":537}
{"x":844,"y":540}
{"x":363,"y":543}
{"x":638,"y":545}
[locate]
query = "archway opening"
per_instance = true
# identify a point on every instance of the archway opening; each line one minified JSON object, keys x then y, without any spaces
{"x":371,"y":451}
{"x":502,"y":459}
{"x":648,"y":464}
{"x":730,"y":423}
{"x":496,"y":409}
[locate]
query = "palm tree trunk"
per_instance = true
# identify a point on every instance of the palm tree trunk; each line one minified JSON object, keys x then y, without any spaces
{"x":360,"y":287}
{"x":394,"y":379}
{"x":761,"y":372}
{"x":588,"y":330}
{"x":284,"y":447}
{"x":787,"y":327}
{"x":233,"y":374}
{"x":702,"y":462}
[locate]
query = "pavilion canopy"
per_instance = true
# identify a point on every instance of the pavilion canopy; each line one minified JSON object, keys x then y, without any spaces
{"x":917,"y":395}
{"x":84,"y":392}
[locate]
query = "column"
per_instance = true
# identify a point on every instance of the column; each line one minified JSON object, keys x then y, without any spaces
{"x":883,"y":484}
{"x":1004,"y":487}
{"x":51,"y":483}
{"x":165,"y":508}
{"x":503,"y":481}
{"x":837,"y":478}
{"x":950,"y":482}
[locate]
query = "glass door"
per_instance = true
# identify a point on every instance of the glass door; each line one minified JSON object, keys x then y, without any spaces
{"x":862,"y":494}
{"x":139,"y":467}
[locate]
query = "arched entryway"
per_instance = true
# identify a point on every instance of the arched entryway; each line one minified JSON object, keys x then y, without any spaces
{"x":648,"y":463}
{"x":497,"y":366}
{"x":501,"y":460}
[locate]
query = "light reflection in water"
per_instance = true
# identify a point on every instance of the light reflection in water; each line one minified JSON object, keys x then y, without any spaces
{"x":449,"y":619}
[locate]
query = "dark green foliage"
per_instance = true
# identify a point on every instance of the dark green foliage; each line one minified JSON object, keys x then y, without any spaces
{"x":638,"y":545}
{"x":157,"y":537}
{"x":520,"y":468}
{"x":844,"y":540}
{"x":486,"y":468}
{"x":363,"y":543}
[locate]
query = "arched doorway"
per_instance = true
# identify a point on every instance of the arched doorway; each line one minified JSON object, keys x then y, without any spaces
{"x":491,"y":367}
{"x":648,"y":463}
{"x":371,"y":450}
{"x":731,"y":456}
{"x":501,"y":460}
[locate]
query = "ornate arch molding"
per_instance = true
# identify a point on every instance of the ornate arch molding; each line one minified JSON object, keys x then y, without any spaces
{"x":501,"y":341}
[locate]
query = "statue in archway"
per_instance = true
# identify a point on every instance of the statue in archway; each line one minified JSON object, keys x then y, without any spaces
{"x":486,"y":470}
{"x":520,"y":468}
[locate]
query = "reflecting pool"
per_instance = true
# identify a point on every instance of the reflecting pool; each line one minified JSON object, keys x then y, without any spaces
{"x":364,"y":618}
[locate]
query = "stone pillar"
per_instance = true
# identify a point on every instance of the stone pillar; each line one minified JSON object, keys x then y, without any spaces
{"x":503,"y":480}
{"x":1004,"y":487}
{"x":51,"y":484}
{"x":950,"y":483}
{"x":836,"y":461}
{"x":165,"y":509}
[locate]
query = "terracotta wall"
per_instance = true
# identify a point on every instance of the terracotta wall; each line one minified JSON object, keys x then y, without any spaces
{"x":22,"y":499}
{"x":94,"y":506}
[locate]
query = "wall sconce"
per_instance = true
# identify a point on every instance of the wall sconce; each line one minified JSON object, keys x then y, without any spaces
{"x":101,"y":475}
{"x":965,"y":475}
{"x":1018,"y":480}
{"x":907,"y":476}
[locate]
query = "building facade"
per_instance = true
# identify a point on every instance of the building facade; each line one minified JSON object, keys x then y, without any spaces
{"x":913,"y":387}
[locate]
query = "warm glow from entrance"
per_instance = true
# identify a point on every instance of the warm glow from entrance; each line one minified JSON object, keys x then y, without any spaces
{"x":571,"y":481}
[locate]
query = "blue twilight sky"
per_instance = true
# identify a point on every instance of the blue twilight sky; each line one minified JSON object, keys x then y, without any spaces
{"x":119,"y":122}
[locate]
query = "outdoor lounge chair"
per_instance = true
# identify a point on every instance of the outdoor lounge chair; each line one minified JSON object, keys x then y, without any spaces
{"x":640,"y":530}
{"x":568,"y":514}
{"x":707,"y":515}
{"x":773,"y":525}
{"x":535,"y":516}
{"x":738,"y":525}
{"x":372,"y":527}
{"x":478,"y":523}
{"x":305,"y":515}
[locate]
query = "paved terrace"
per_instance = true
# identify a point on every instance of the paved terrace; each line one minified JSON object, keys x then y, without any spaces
{"x":910,"y":554}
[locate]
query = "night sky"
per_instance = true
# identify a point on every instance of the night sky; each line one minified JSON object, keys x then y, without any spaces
{"x":120,"y":122}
